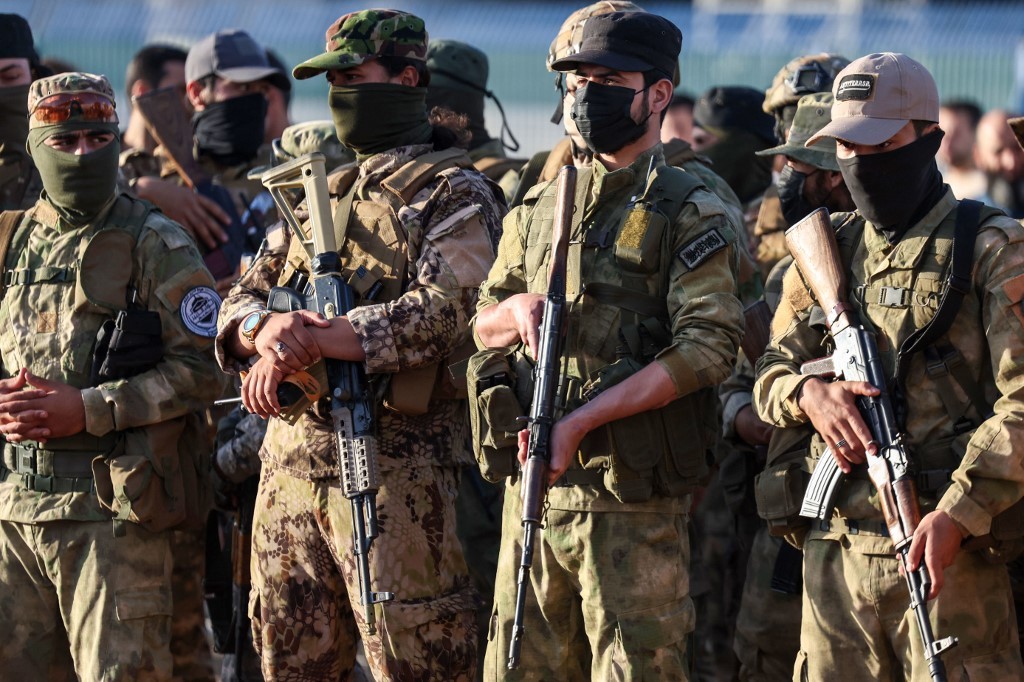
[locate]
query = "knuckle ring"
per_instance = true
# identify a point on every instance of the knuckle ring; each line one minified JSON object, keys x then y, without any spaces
{"x":280,"y":347}
{"x":841,"y":443}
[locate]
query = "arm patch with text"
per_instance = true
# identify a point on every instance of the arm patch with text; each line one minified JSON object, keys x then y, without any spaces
{"x":703,"y":247}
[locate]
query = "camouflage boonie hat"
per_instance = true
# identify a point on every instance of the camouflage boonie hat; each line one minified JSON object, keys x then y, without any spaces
{"x":74,"y":82}
{"x":813,"y":112}
{"x":457,"y":65}
{"x":570,"y":35}
{"x":366,"y":34}
{"x":802,"y":76}
{"x":313,"y":136}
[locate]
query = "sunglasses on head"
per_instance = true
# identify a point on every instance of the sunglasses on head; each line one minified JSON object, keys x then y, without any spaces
{"x":82,"y":106}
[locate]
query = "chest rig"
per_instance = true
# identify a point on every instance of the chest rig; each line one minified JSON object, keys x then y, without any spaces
{"x":376,"y":250}
{"x":617,"y":284}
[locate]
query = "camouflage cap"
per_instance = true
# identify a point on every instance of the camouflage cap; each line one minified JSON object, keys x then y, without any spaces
{"x":570,"y":35}
{"x":73,"y":82}
{"x":457,"y":65}
{"x":802,"y":76}
{"x":813,"y":112}
{"x":313,"y":136}
{"x":366,"y":34}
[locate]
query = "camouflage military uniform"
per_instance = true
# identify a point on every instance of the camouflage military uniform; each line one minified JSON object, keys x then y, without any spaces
{"x":59,"y":544}
{"x":588,"y":616}
{"x":975,"y":603}
{"x":20,"y":184}
{"x":299,"y":494}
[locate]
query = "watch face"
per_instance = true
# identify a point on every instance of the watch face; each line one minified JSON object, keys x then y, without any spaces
{"x":250,"y":321}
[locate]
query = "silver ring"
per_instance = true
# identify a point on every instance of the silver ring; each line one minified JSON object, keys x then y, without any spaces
{"x":841,"y":443}
{"x":280,"y":347}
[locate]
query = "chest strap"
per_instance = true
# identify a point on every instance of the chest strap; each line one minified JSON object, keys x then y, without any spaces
{"x":29,"y":276}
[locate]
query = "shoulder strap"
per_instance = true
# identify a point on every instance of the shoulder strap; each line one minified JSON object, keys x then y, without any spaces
{"x":528,"y":178}
{"x":413,"y":176}
{"x":958,"y":285}
{"x":9,"y":221}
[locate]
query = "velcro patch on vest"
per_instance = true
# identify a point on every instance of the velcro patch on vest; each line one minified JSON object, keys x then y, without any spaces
{"x":856,"y":86}
{"x":199,"y":309}
{"x":702,"y":248}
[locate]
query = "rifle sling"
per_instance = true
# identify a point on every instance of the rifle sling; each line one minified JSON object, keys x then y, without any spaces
{"x":958,"y":284}
{"x":9,"y":221}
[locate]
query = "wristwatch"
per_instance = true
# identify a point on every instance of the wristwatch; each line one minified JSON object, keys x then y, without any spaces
{"x":252,"y":324}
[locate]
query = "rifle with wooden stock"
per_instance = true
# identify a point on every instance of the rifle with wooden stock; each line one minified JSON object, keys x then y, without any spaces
{"x":812,"y":242}
{"x":166,"y":121}
{"x":542,"y":417}
{"x":351,"y":400}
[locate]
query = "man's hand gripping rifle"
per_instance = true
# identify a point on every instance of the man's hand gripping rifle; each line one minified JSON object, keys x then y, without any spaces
{"x":812,"y":242}
{"x":546,"y":375}
{"x":351,"y":400}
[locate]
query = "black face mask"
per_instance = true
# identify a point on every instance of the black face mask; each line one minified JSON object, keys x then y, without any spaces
{"x":895,"y":189}
{"x":602,"y":115}
{"x":231,"y":132}
{"x":791,"y":194}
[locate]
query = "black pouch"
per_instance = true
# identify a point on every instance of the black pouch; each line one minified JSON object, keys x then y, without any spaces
{"x":129,"y":345}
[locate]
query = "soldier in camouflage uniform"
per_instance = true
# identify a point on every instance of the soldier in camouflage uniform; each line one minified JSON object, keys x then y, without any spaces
{"x":799,"y":77}
{"x":458,"y":82}
{"x":19,"y":66}
{"x":962,"y":430}
{"x":588,"y":613}
{"x":75,"y":577}
{"x":768,"y":623}
{"x":423,"y":226}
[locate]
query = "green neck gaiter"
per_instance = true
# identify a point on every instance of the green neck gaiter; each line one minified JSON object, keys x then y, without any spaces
{"x":13,"y":129}
{"x":375,"y":117}
{"x":78,"y":187}
{"x":471,"y":104}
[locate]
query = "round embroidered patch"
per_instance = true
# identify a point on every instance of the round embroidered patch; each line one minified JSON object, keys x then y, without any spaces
{"x":199,"y":309}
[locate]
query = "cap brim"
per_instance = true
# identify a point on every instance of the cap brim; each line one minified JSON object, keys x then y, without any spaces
{"x":323,"y":62}
{"x":859,"y":130}
{"x":247,"y":74}
{"x":604,"y":58}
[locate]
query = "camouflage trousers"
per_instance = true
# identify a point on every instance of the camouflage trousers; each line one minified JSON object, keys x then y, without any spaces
{"x":608,"y":597}
{"x":190,"y":649}
{"x":856,"y":619}
{"x":768,"y":625}
{"x":72,"y":586}
{"x":305,"y":603}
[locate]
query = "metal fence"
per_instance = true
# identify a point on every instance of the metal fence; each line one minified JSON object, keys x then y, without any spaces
{"x":975,"y":50}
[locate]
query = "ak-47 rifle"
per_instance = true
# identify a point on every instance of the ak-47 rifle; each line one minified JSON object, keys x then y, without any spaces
{"x":166,"y":121}
{"x":546,"y":375}
{"x":351,"y":408}
{"x":812,"y":242}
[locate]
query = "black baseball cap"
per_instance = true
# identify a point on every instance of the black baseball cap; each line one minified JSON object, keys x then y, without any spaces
{"x":232,"y":55}
{"x":734,"y":107}
{"x":16,"y":39}
{"x":627,"y":41}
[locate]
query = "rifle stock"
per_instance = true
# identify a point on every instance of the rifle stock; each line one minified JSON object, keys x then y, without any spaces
{"x":813,"y":245}
{"x":166,"y":121}
{"x":545,"y":389}
{"x":351,"y":400}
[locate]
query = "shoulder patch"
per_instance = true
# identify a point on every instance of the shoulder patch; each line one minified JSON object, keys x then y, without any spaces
{"x":703,"y":247}
{"x":199,"y":309}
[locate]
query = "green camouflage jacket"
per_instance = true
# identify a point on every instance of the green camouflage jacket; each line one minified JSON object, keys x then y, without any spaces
{"x":988,"y":333}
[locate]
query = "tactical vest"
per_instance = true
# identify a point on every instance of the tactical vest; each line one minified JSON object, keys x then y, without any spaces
{"x":376,"y":251}
{"x":101,"y":281}
{"x":617,"y":285}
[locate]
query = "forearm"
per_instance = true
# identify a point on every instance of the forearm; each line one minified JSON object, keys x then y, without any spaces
{"x":648,"y":389}
{"x":495,"y":327}
{"x":339,"y":341}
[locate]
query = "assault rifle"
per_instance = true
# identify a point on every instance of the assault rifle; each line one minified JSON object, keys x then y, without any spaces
{"x":351,"y":400}
{"x":812,"y":242}
{"x":166,"y":121}
{"x":546,"y":375}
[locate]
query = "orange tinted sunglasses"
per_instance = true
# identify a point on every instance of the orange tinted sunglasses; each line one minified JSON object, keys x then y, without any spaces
{"x":83,"y":106}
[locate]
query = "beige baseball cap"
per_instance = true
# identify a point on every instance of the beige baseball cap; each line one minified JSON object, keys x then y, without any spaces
{"x":877,"y":95}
